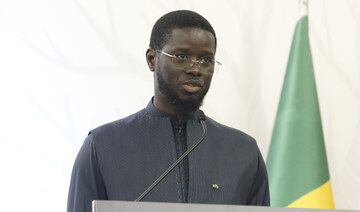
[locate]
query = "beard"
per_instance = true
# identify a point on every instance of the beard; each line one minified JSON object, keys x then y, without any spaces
{"x":182,"y":105}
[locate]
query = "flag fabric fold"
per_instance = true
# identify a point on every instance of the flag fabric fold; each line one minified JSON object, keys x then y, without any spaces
{"x":297,"y":163}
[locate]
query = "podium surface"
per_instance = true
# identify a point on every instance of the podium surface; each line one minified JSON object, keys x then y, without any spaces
{"x":120,"y":206}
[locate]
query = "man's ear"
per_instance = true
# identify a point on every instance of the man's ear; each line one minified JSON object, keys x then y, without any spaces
{"x":151,"y":58}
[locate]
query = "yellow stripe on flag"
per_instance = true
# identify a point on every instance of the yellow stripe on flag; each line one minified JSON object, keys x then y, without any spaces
{"x":318,"y":198}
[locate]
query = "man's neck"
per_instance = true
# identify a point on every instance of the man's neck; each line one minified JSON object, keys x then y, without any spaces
{"x":169,"y":108}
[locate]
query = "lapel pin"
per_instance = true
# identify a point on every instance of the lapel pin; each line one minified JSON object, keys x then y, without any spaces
{"x":216,"y":186}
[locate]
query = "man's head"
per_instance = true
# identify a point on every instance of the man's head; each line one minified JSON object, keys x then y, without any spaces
{"x":163,"y":27}
{"x":181,"y":34}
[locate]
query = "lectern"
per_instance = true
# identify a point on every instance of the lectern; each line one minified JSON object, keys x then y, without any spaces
{"x":121,"y":206}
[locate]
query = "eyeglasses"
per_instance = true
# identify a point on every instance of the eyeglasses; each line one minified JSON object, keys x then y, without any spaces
{"x":182,"y":61}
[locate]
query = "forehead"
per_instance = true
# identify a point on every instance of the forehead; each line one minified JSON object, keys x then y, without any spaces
{"x":192,"y":39}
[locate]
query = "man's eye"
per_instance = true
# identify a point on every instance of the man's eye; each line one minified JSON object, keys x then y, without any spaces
{"x":182,"y":56}
{"x":207,"y":59}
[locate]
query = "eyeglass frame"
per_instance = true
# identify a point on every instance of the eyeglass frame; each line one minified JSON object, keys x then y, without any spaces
{"x":192,"y":61}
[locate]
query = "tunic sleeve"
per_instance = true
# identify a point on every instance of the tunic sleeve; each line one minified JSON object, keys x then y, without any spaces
{"x":86,"y":183}
{"x":259,"y":194}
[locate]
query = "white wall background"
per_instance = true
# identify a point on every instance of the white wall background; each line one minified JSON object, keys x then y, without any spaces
{"x":69,"y":66}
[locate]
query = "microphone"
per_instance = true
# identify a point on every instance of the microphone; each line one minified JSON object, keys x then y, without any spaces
{"x":200,"y":116}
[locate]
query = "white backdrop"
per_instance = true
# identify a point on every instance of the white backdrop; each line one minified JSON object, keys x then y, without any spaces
{"x":69,"y":66}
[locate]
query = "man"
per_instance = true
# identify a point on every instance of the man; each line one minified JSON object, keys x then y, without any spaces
{"x":119,"y":160}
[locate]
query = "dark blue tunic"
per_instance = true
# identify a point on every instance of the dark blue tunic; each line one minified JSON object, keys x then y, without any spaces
{"x":119,"y":160}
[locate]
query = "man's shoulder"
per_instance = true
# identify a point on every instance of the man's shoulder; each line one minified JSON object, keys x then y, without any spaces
{"x":122,"y":124}
{"x":229,"y":133}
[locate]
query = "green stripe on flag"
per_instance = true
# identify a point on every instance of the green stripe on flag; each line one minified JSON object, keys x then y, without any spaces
{"x":297,"y":159}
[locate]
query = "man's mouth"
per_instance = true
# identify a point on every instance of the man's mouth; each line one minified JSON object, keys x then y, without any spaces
{"x":192,"y":86}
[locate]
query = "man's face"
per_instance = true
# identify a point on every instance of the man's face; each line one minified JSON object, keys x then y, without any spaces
{"x":184,"y":88}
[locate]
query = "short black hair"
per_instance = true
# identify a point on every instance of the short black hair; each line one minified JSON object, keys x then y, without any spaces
{"x":163,"y":27}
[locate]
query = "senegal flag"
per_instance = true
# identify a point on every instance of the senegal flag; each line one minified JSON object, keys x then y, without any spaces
{"x":296,"y":163}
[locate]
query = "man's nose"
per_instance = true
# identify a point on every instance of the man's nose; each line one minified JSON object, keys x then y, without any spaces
{"x":194,"y":67}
